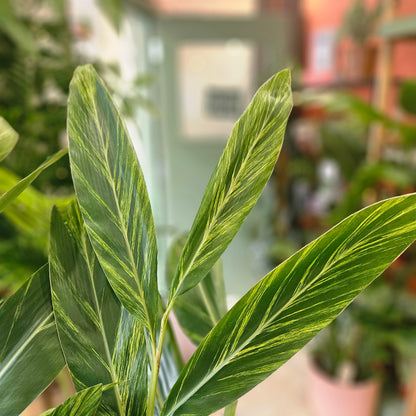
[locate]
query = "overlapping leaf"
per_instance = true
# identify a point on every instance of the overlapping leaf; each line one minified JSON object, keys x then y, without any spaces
{"x":8,"y":138}
{"x":237,"y":182}
{"x":30,"y":211}
{"x":102,"y":342}
{"x":290,"y":305}
{"x":14,"y":192}
{"x":29,"y":214}
{"x":112,"y":195}
{"x":30,"y":354}
{"x":84,"y":403}
{"x":199,"y":309}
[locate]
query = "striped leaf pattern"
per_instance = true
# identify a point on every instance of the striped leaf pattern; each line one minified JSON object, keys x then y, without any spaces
{"x":237,"y":182}
{"x":280,"y":314}
{"x":30,"y":354}
{"x":199,"y":309}
{"x":14,"y":192}
{"x":112,"y":194}
{"x":8,"y":138}
{"x":84,"y":403}
{"x":101,"y":341}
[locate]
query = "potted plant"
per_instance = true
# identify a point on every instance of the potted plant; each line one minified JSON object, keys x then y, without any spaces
{"x":96,"y":308}
{"x":343,"y":369}
{"x":357,"y":52}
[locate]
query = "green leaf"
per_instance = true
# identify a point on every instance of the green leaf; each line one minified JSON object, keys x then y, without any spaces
{"x":29,"y":215}
{"x":30,"y":354}
{"x":280,"y":314}
{"x":112,"y":194}
{"x":13,"y":193}
{"x":30,"y":211}
{"x":102,"y":342}
{"x":237,"y":182}
{"x":84,"y":403}
{"x":199,"y":309}
{"x":8,"y":138}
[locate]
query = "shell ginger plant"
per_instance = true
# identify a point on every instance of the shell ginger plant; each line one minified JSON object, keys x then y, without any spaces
{"x":96,"y":307}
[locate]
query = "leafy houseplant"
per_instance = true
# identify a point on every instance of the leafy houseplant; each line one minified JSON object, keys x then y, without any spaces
{"x":375,"y":336}
{"x":37,"y":60}
{"x":359,"y":21}
{"x":96,"y":307}
{"x":357,"y":27}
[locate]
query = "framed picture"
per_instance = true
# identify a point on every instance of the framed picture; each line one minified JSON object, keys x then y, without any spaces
{"x":215,"y":84}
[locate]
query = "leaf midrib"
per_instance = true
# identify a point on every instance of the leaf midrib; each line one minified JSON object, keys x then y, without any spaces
{"x":221,"y":206}
{"x":103,"y":332}
{"x":329,"y":264}
{"x":27,"y":341}
{"x":123,"y":228}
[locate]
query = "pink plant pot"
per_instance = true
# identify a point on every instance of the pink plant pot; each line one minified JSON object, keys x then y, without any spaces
{"x":329,"y":397}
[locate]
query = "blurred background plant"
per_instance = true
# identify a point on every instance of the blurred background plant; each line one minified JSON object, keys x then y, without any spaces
{"x":37,"y":60}
{"x":332,"y":174}
{"x":359,"y":21}
{"x":329,"y":178}
{"x":36,"y":65}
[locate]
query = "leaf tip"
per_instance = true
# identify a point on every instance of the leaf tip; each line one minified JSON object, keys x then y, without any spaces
{"x":82,"y":70}
{"x":83,"y":74}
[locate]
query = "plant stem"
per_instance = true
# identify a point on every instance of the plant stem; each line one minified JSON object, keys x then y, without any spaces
{"x":156,"y":362}
{"x":174,"y":345}
{"x":230,"y":409}
{"x":153,"y":385}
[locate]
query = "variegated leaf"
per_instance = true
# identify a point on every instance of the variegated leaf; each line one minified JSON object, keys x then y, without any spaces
{"x":14,"y":192}
{"x":237,"y":182}
{"x":112,"y":194}
{"x":29,"y":213}
{"x":8,"y":138}
{"x":30,"y":353}
{"x":102,"y":342}
{"x":199,"y":309}
{"x":280,"y":314}
{"x":84,"y":403}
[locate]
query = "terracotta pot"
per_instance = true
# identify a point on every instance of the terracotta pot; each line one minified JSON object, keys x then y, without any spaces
{"x":329,"y":397}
